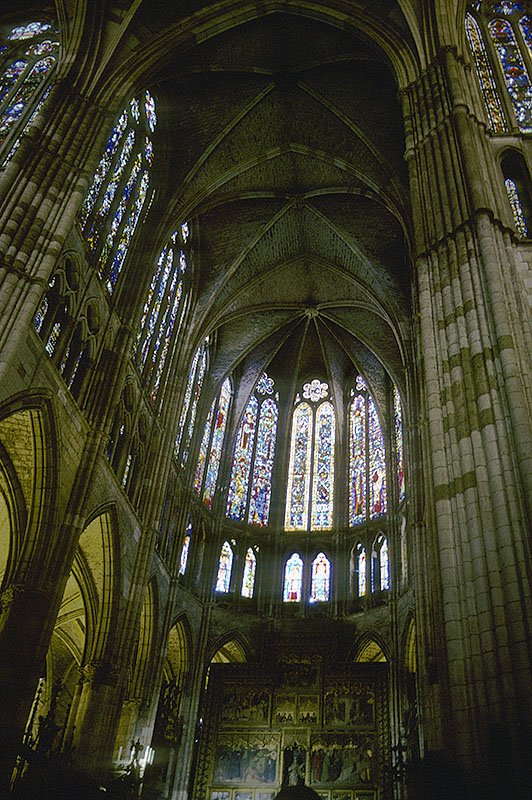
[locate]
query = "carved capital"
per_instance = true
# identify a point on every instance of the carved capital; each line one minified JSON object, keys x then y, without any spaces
{"x":99,"y":672}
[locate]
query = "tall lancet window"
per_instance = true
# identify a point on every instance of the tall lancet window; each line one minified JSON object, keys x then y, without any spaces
{"x":189,"y":408}
{"x":250,"y":568}
{"x":320,"y":579}
{"x":399,"y":451}
{"x":28,"y":57}
{"x":250,"y":485}
{"x":210,"y":452}
{"x":185,"y":549}
{"x":225,"y":565}
{"x":117,"y":195}
{"x":368,"y":497}
{"x":293,"y":579}
{"x":163,"y":310}
{"x":500,"y":38}
{"x":310,"y":490}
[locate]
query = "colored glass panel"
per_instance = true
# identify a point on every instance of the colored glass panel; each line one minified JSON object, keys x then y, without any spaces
{"x":120,"y":213}
{"x":248,"y":579}
{"x":361,"y":568}
{"x":514,"y":71}
{"x":197,"y":386}
{"x":11,"y":76}
{"x":293,"y":579}
{"x":525,"y":23}
{"x":29,"y":31}
{"x":320,"y":580}
{"x":215,"y":455}
{"x":149,"y":106}
{"x":165,"y":332}
{"x":103,"y":168}
{"x":357,"y":460}
{"x":127,"y":468}
{"x":52,"y":339}
{"x":377,"y":463}
{"x":517,"y":208}
{"x":265,"y":385}
{"x":204,"y":447}
{"x":242,"y":458}
{"x":384,"y":566}
{"x":297,"y":498}
{"x":183,"y":559}
{"x":127,"y":233}
{"x":399,"y":454}
{"x":135,"y":109}
{"x":41,"y":314}
{"x":315,"y":390}
{"x":323,"y":479}
{"x":23,"y":95}
{"x":261,"y":485}
{"x":225,"y":564}
{"x":485,"y":75}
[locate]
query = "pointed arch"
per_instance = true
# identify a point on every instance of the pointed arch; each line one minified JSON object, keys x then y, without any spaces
{"x":232,"y":648}
{"x":147,"y":639}
{"x":97,"y":563}
{"x":178,"y":660}
{"x":370,"y":649}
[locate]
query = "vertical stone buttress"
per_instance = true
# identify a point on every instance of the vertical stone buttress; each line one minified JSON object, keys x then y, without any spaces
{"x":473,"y":369}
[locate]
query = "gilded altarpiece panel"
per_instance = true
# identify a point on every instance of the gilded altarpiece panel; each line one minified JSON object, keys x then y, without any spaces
{"x":302,"y":725}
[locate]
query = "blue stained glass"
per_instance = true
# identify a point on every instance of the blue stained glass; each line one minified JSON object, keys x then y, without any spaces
{"x":514,"y":71}
{"x":485,"y":75}
{"x":323,"y":480}
{"x":120,"y":212}
{"x":168,"y":329}
{"x":399,"y":455}
{"x":261,"y":486}
{"x":103,"y":168}
{"x":516,"y":206}
{"x":110,"y":192}
{"x":215,"y":455}
{"x":41,"y":314}
{"x":293,"y":579}
{"x":225,"y":565}
{"x":29,"y":31}
{"x":158,"y":283}
{"x":185,"y":232}
{"x":265,"y":385}
{"x":135,"y":109}
{"x":297,"y":498}
{"x":52,"y":339}
{"x":24,"y":94}
{"x":320,"y":580}
{"x":525,"y":23}
{"x":11,"y":76}
{"x":243,"y":453}
{"x":129,"y":230}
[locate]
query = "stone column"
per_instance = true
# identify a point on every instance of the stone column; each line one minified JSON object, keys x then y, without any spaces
{"x":472,"y":582}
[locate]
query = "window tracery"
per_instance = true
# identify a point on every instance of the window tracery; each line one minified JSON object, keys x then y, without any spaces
{"x":250,"y":485}
{"x":117,"y":195}
{"x":500,"y":39}
{"x":310,"y":490}
{"x":163,"y":311}
{"x":27,"y":69}
{"x":367,"y":458}
{"x":206,"y":475}
{"x":189,"y":408}
{"x":225,"y":565}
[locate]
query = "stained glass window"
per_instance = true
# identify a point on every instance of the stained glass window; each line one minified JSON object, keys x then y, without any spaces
{"x":161,"y":316}
{"x":384,"y":566}
{"x":187,"y":418}
{"x":485,"y":75}
{"x":250,"y":567}
{"x":41,"y":314}
{"x":504,"y":29}
{"x":213,"y":437}
{"x":250,"y":485}
{"x":517,"y":207}
{"x":52,"y":339}
{"x":320,"y":580}
{"x":225,"y":565}
{"x":24,"y":80}
{"x":310,"y":490}
{"x":361,"y":571}
{"x":183,"y":559}
{"x":367,"y":458}
{"x":399,"y":453}
{"x":293,"y":579}
{"x":119,"y":190}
